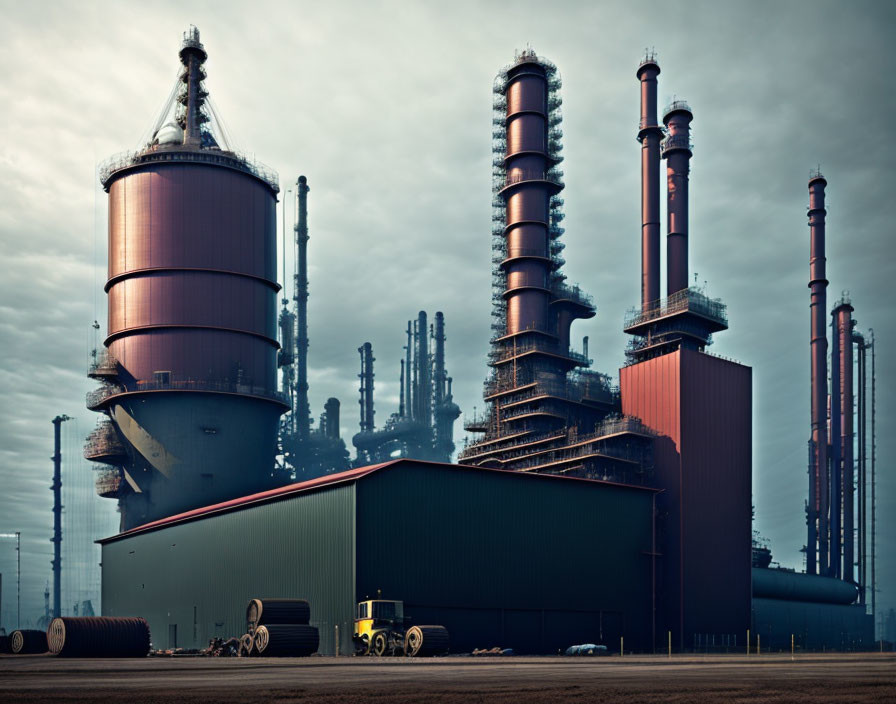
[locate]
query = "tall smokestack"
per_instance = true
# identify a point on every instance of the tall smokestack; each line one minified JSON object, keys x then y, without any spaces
{"x":649,"y":135}
{"x":817,"y":544}
{"x":366,"y":389}
{"x":676,"y":150}
{"x":835,"y":470}
{"x":424,"y":371}
{"x":439,"y":390}
{"x":843,"y":341}
{"x":408,"y":352}
{"x":303,"y":410}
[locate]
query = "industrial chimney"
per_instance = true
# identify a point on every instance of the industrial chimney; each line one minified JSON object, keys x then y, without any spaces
{"x":818,"y":509}
{"x":649,"y":135}
{"x":676,"y":150}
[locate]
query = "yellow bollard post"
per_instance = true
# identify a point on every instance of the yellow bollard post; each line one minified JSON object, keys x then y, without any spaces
{"x":748,"y":641}
{"x":336,"y":638}
{"x":791,"y":647}
{"x":758,"y":644}
{"x":621,"y":646}
{"x":670,"y":645}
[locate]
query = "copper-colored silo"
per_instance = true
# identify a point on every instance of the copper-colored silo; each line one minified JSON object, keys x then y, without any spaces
{"x":676,"y":150}
{"x":818,"y":508}
{"x":649,"y":135}
{"x":192,"y":314}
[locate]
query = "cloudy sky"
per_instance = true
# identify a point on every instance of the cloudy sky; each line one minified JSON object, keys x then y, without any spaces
{"x":386,"y":108}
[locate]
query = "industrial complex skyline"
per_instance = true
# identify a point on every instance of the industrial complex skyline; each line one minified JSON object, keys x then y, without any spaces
{"x":387,"y":110}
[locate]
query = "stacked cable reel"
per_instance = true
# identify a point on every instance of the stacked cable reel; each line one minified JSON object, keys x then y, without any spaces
{"x":279,"y":628}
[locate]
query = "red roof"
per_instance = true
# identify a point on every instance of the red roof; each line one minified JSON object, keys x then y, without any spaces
{"x":328,"y":480}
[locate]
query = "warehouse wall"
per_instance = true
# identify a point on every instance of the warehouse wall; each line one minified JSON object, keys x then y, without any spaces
{"x":198,"y":576}
{"x":500,"y":559}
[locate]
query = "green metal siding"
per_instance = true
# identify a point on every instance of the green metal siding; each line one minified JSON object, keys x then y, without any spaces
{"x":302,"y":547}
{"x":501,"y":559}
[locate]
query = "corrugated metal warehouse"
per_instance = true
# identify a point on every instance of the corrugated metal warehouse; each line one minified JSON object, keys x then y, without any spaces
{"x":518,"y":560}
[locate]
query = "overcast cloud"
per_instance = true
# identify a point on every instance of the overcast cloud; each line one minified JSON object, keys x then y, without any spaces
{"x":386,"y":108}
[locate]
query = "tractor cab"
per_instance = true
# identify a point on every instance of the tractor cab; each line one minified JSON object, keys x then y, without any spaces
{"x":375,"y":614}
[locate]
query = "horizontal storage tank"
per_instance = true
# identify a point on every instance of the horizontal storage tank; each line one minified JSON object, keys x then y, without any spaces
{"x":796,"y":586}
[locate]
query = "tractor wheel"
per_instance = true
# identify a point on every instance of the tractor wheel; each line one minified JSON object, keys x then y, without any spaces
{"x":362,"y":644}
{"x":379,"y":644}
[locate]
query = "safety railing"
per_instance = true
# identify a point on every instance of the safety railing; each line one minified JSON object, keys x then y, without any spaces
{"x":676,"y":142}
{"x":572,"y":293}
{"x":97,"y":397}
{"x":103,"y":441}
{"x":103,"y":364}
{"x":688,"y":299}
{"x":234,"y":160}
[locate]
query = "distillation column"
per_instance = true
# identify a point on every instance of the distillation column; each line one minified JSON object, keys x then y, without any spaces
{"x":423,"y":377}
{"x":527,"y":194}
{"x":817,"y":543}
{"x":843,"y":314}
{"x":649,"y":135}
{"x":835,"y":455}
{"x":303,"y":410}
{"x":366,"y":376}
{"x":676,"y":148}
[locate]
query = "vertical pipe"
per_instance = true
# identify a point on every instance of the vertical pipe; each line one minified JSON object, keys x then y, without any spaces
{"x":424,"y":370}
{"x":57,"y":514}
{"x":873,"y":485}
{"x":438,"y":387}
{"x":401,"y":409}
{"x":408,"y":351}
{"x":366,"y":389}
{"x":439,"y":361}
{"x":676,"y":150}
{"x":859,"y":341}
{"x":415,"y":383}
{"x":818,"y":481}
{"x":649,"y":135}
{"x":844,"y":341}
{"x":303,"y":411}
{"x":834,"y":458}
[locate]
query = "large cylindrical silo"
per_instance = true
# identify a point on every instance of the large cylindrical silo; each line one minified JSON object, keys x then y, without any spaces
{"x":192,"y":295}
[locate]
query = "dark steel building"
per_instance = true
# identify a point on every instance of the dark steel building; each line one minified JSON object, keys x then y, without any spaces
{"x":547,"y":412}
{"x":423,"y":428}
{"x":464,"y":561}
{"x":188,"y":375}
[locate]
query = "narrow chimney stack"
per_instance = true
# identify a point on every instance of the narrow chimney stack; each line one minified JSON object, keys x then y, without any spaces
{"x":649,"y":135}
{"x":817,"y":557}
{"x":676,"y":150}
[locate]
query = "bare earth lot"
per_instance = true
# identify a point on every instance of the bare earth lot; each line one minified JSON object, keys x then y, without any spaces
{"x":869,"y":677}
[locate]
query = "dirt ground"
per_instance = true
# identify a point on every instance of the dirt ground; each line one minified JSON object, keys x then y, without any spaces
{"x":834,"y":678}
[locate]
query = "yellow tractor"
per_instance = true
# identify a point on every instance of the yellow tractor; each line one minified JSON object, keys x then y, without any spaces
{"x":382,"y":629}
